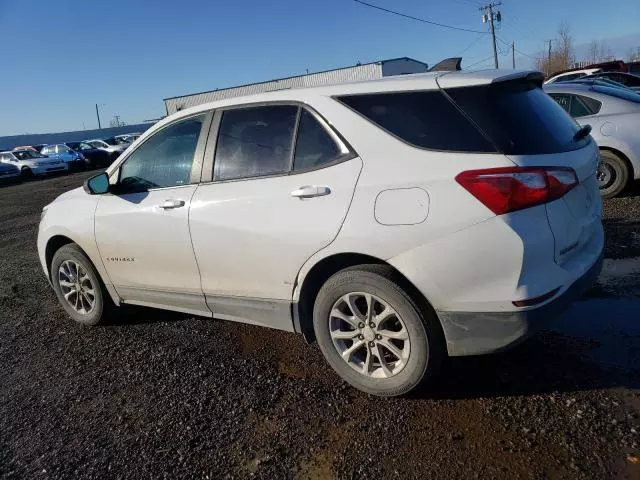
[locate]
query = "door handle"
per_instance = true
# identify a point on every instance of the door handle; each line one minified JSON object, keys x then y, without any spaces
{"x":171,"y":203}
{"x":310,"y":191}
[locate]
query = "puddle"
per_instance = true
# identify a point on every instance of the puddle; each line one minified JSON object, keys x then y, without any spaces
{"x":620,"y":276}
{"x":614,"y":325}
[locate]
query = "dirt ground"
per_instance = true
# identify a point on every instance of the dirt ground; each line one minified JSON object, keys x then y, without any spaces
{"x":164,"y":395}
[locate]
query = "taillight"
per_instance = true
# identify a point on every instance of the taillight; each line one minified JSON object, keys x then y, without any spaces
{"x":508,"y":189}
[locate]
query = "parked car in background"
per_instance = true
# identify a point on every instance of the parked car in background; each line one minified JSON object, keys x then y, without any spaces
{"x":26,"y":147}
{"x":94,"y":157}
{"x":572,"y":75}
{"x":614,"y":115}
{"x":108,"y":145}
{"x":394,"y":221}
{"x":127,"y":138}
{"x":9,"y":172}
{"x":75,"y":160}
{"x":33,"y":163}
{"x":627,"y":79}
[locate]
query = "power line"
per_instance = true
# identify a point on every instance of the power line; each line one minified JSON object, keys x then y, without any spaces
{"x":478,"y":62}
{"x":417,"y":19}
{"x":521,"y":53}
{"x":475,"y":42}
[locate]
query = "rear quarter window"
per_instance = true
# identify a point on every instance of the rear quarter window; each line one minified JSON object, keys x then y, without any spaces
{"x":425,"y":119}
{"x":519,"y":117}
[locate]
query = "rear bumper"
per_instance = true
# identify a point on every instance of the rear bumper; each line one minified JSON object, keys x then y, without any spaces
{"x":474,"y":333}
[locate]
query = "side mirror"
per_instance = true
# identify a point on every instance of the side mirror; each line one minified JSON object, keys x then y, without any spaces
{"x":97,"y":185}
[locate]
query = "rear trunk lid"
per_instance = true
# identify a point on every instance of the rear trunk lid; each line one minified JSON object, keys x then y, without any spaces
{"x":532,"y":130}
{"x":575,"y":217}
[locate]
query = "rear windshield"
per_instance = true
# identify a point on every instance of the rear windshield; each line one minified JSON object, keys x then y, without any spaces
{"x":519,"y":117}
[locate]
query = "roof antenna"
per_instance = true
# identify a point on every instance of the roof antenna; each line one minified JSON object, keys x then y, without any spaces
{"x":447,"y":65}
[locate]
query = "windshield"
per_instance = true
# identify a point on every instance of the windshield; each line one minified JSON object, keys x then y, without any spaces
{"x":624,"y":93}
{"x":27,"y":154}
{"x":519,"y":117}
{"x":98,"y":144}
{"x":111,"y":141}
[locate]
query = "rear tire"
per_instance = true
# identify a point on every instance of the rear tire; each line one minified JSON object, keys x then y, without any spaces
{"x":26,"y":173}
{"x":389,"y":352}
{"x":613,"y":174}
{"x":74,"y":278}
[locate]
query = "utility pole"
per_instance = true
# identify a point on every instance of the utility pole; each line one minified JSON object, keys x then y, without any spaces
{"x":98,"y":115}
{"x":549,"y":58}
{"x":513,"y":54}
{"x":490,"y":17}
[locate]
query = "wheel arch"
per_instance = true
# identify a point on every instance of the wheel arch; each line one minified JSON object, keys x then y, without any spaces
{"x":56,"y":242}
{"x":328,"y":266}
{"x":632,"y":172}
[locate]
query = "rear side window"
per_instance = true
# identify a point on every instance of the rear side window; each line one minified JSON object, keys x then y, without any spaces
{"x":255,"y":141}
{"x":425,"y":119}
{"x":519,"y":117}
{"x":314,"y":145}
{"x":592,"y":104}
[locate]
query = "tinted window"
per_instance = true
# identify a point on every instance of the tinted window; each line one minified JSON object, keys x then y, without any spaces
{"x":623,"y":93}
{"x":425,"y":119}
{"x":519,"y":117}
{"x":255,"y":141}
{"x":314,"y":145}
{"x":561,"y":99}
{"x":578,"y":108}
{"x":164,"y":160}
{"x":593,"y":104}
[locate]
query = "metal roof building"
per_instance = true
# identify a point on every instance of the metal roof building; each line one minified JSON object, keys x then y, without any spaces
{"x":366,"y":71}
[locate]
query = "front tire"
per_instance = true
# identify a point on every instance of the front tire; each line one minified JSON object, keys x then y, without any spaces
{"x":613,"y":174}
{"x":373,"y":334}
{"x":78,"y":286}
{"x":26,"y":173}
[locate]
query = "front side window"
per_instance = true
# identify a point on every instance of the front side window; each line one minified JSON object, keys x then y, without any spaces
{"x":425,"y":119}
{"x":164,"y":160}
{"x":314,"y":145}
{"x":255,"y":141}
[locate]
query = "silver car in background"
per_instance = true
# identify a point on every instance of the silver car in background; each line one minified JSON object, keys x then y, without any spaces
{"x":33,"y":163}
{"x":614,"y":115}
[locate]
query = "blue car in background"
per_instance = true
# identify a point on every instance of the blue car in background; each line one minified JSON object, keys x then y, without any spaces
{"x":75,"y":160}
{"x":9,"y":173}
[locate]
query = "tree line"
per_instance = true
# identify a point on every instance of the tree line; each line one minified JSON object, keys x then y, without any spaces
{"x":562,"y":56}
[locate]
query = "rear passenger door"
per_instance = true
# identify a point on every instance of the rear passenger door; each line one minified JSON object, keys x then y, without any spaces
{"x":275,"y":192}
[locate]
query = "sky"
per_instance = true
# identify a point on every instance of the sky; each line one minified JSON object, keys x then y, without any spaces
{"x":62,"y":57}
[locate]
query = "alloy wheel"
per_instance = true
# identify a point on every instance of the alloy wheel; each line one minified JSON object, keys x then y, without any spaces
{"x":76,"y":286}
{"x":369,"y":335}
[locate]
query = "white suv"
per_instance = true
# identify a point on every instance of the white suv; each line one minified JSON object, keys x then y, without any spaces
{"x":394,"y":221}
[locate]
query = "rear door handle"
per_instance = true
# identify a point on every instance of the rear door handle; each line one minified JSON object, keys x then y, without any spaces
{"x":310,"y":191}
{"x":171,"y":203}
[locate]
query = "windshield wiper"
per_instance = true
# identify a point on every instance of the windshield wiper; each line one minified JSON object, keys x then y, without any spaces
{"x":583,"y":132}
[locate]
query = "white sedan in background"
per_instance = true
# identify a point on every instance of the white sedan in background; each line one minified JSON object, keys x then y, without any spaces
{"x":114,"y":148}
{"x":614,"y":115}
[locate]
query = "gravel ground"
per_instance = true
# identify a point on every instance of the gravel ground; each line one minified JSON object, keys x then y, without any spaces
{"x":166,"y":395}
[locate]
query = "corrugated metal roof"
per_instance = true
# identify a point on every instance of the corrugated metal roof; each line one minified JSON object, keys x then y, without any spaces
{"x":367,"y":71}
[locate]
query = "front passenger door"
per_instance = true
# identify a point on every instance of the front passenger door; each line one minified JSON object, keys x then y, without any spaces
{"x":142,"y":225}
